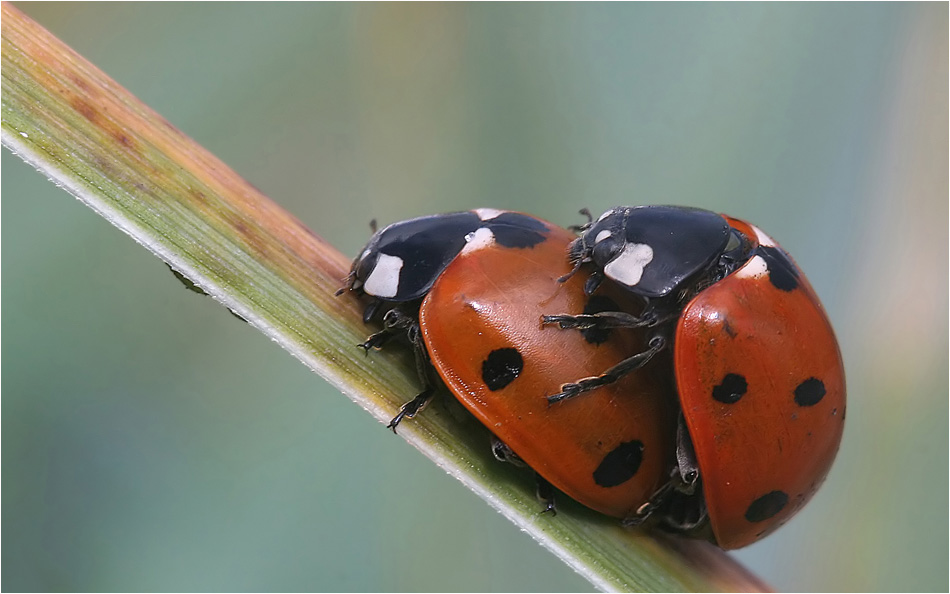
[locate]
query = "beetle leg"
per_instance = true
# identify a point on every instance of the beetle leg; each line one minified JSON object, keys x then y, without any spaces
{"x":602,"y":320}
{"x":400,"y":321}
{"x":628,"y":365}
{"x":658,"y":499}
{"x":503,"y":453}
{"x":376,"y":340}
{"x":397,"y":322}
{"x":423,"y":364}
{"x":544,"y":489}
{"x":545,"y":494}
{"x":687,"y":469}
{"x":412,"y":408}
{"x":682,"y":503}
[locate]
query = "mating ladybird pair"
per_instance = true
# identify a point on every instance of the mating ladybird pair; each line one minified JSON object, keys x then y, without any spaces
{"x":668,"y":363}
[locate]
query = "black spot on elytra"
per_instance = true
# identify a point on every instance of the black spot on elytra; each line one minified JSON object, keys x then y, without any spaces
{"x":501,"y":367}
{"x":620,"y":465}
{"x":731,"y":389}
{"x":595,"y":305}
{"x":809,"y":392}
{"x":782,"y":271}
{"x":766,"y":506}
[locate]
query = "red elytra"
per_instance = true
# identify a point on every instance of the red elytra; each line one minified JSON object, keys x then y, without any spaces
{"x":761,"y":385}
{"x":610,"y":450}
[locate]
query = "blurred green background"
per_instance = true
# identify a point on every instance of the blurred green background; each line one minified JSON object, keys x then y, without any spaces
{"x":152,"y":442}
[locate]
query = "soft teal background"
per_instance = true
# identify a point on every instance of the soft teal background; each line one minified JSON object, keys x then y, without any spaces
{"x":152,"y":442}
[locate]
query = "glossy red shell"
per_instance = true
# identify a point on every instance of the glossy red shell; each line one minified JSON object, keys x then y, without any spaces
{"x":762,"y":456}
{"x":493,"y":298}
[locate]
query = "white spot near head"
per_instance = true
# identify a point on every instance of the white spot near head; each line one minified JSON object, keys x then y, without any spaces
{"x":754,"y":268}
{"x":383,"y":281}
{"x":627,"y":267}
{"x":606,"y":214}
{"x":602,"y":236}
{"x":487,"y":214}
{"x":763,"y":238}
{"x":478,"y":239}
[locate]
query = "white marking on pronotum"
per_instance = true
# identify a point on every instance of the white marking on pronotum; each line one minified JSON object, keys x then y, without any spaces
{"x":383,"y":281}
{"x":754,"y":268}
{"x":602,"y":236}
{"x":627,"y":267}
{"x":487,"y":214}
{"x":478,"y":239}
{"x":763,"y":238}
{"x":606,"y":214}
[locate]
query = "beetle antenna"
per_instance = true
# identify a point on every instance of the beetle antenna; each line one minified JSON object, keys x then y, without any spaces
{"x":585,"y":226}
{"x":577,"y":266}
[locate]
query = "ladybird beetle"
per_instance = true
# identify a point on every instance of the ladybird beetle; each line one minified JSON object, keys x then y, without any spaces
{"x":484,"y":279}
{"x":757,"y":368}
{"x":401,"y":262}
